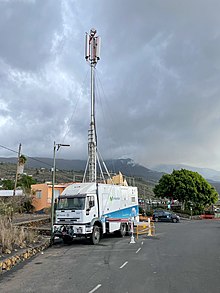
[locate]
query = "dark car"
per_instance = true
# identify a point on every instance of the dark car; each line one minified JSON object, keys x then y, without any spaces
{"x":164,"y":216}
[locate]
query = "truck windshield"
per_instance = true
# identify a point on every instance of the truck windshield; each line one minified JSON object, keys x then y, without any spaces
{"x":73,"y":203}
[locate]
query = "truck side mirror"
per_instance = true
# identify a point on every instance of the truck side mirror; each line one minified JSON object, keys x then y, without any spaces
{"x":91,"y":204}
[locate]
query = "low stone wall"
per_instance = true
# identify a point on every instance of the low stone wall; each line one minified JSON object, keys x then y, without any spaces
{"x":41,"y":226}
{"x":8,"y":262}
{"x":32,"y":222}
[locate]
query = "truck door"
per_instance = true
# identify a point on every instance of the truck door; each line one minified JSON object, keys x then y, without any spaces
{"x":91,"y":207}
{"x":124,"y":197}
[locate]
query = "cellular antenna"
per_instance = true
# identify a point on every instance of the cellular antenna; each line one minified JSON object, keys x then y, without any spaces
{"x":92,"y":55}
{"x":92,"y":47}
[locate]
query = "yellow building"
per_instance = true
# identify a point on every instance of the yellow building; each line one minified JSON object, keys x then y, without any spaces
{"x":42,"y":194}
{"x":118,"y":180}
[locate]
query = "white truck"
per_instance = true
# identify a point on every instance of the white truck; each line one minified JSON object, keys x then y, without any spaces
{"x":92,"y":209}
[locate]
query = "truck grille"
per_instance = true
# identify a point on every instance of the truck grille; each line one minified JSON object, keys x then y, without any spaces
{"x":68,"y":219}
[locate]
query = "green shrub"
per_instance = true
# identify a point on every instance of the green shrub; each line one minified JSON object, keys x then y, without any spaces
{"x":149,"y":213}
{"x":6,"y":208}
{"x":209,"y":212}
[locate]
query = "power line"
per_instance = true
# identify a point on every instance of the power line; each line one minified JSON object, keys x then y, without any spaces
{"x":31,"y":158}
{"x":9,"y":149}
{"x":108,"y":129}
{"x":78,"y":97}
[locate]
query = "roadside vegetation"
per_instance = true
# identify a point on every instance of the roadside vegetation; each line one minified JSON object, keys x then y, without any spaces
{"x":14,"y":238}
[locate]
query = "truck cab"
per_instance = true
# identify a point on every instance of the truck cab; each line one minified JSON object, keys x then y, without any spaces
{"x":76,"y":213}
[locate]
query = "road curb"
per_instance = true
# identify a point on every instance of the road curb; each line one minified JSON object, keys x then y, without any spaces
{"x":7,"y":263}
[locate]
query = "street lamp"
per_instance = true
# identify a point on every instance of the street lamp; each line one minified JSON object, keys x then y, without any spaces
{"x":56,"y":148}
{"x":191,"y":209}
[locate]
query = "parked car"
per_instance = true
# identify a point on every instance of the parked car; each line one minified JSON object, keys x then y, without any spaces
{"x":164,"y":216}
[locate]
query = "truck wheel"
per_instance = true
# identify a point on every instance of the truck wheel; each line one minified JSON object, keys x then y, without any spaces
{"x":52,"y":241}
{"x":123,"y":230}
{"x":95,"y":237}
{"x":67,"y":240}
{"x":128,"y":232}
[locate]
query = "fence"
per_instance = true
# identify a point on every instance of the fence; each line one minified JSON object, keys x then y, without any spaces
{"x":142,"y":228}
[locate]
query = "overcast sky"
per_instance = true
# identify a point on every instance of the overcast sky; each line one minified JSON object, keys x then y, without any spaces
{"x":158,"y":80}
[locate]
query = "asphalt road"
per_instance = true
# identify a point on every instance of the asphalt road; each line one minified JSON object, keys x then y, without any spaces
{"x":182,"y":257}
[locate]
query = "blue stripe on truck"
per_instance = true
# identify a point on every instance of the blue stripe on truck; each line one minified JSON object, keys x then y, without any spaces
{"x":123,"y":213}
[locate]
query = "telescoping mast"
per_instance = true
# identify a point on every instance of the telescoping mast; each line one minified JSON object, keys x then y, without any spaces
{"x":92,"y":56}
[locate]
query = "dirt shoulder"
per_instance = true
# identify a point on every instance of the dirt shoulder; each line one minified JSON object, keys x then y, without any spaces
{"x":22,"y":238}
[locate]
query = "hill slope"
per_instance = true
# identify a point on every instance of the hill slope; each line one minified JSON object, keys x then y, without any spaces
{"x":207,"y":173}
{"x":126,"y":166}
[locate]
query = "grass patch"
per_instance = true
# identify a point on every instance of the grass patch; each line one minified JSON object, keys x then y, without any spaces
{"x":12,"y":237}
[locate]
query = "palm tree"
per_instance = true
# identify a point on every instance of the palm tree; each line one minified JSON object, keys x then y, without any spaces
{"x":22,"y":160}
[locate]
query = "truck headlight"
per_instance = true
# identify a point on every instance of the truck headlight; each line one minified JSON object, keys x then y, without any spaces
{"x":79,"y":230}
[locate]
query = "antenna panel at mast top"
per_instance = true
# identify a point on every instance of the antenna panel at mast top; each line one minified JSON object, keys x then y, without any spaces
{"x":92,"y":47}
{"x":87,"y":49}
{"x":98,"y":46}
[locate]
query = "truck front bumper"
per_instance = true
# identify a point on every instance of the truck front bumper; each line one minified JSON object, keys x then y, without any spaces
{"x":73,"y":231}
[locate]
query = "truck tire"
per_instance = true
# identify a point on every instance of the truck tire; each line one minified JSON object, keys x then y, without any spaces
{"x":128,"y":232}
{"x":96,"y":235}
{"x":67,"y":240}
{"x":123,"y":230}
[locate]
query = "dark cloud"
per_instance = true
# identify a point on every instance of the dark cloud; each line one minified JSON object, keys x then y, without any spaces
{"x":26,"y":29}
{"x":157,"y":85}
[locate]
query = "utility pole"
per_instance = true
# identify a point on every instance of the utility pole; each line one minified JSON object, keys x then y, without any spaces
{"x":92,"y":55}
{"x":16,"y":179}
{"x":56,"y":148}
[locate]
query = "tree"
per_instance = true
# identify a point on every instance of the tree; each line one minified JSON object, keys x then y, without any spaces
{"x":25,"y":183}
{"x":188,"y":187}
{"x":22,"y":159}
{"x":25,"y":203}
{"x":7,"y":184}
{"x":21,"y":162}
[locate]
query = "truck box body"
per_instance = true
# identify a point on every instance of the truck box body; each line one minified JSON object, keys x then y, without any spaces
{"x":104,"y":205}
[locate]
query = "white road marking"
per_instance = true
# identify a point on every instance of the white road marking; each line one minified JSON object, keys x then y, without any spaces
{"x":124,"y":264}
{"x":138,"y":250}
{"x":96,"y":288}
{"x":107,"y":250}
{"x":142,"y":242}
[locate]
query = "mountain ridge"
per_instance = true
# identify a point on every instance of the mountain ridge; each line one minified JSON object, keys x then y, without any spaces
{"x":127,"y":166}
{"x":207,"y":173}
